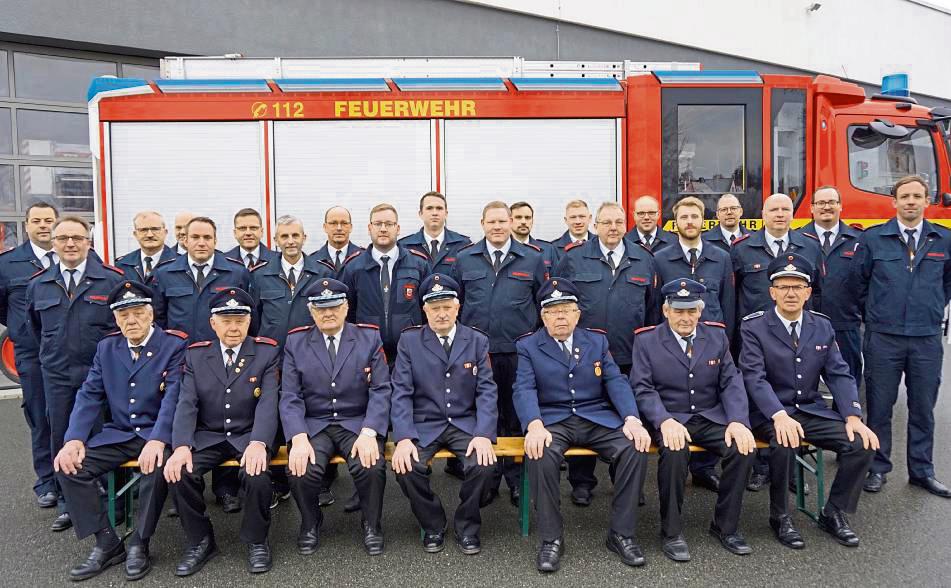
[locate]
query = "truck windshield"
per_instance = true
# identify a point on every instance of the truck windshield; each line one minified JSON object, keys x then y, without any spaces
{"x":877,"y":162}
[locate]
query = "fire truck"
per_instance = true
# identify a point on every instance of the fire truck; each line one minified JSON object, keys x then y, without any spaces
{"x":296,"y":136}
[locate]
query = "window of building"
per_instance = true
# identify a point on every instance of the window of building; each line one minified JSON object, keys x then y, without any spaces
{"x":54,"y":78}
{"x":52,"y":134}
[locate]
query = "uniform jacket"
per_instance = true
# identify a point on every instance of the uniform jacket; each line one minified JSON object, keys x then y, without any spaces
{"x":448,"y":249}
{"x":432,"y":391}
{"x":661,"y":240}
{"x":839,"y":301}
{"x":17,"y":266}
{"x":559,"y":244}
{"x":263,"y":254}
{"x":278,"y":309}
{"x":714,"y":270}
{"x":140,"y":395}
{"x":323,"y":254}
{"x":353,"y":393}
{"x":751,"y":256}
{"x":131,"y":263}
{"x":550,"y":388}
{"x":549,"y":252}
{"x":667,"y":384}
{"x":714,"y":236}
{"x":237,"y":405}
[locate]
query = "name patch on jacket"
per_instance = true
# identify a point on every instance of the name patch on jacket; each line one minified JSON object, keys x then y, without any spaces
{"x":637,"y":280}
{"x":712,"y":362}
{"x":97,"y":298}
{"x":521,"y":275}
{"x":821,"y":347}
{"x":408,"y":291}
{"x":936,"y":255}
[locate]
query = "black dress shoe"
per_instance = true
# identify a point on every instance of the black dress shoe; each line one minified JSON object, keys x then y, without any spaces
{"x":372,"y":540}
{"x":469,"y":544}
{"x":707,"y":480}
{"x":353,"y":503}
{"x":196,"y":556}
{"x":581,"y":496}
{"x":734,"y":542}
{"x":833,"y":522}
{"x":931,"y":485}
{"x":97,"y":561}
{"x":757,"y":482}
{"x":229,"y":503}
{"x":308,"y":541}
{"x":325,"y":498}
{"x":454,"y":468}
{"x":549,"y":556}
{"x":874,"y":482}
{"x":279,"y":496}
{"x":786,"y":532}
{"x":488,"y":497}
{"x":61,"y":523}
{"x":46,"y":500}
{"x":259,"y":558}
{"x":676,"y":548}
{"x":434,"y":542}
{"x":137,"y":563}
{"x":629,"y":551}
{"x":515,"y":494}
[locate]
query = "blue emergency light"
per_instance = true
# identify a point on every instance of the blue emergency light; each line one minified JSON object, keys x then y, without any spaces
{"x":896,"y":85}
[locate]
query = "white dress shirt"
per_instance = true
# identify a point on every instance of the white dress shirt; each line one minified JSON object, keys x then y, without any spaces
{"x":41,"y":254}
{"x":392,"y":254}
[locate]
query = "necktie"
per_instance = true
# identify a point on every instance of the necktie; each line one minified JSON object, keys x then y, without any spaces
{"x":827,"y":241}
{"x":433,"y":248}
{"x":332,"y":349}
{"x":794,"y":334}
{"x":647,"y":240}
{"x":148,"y":265}
{"x":337,"y":260}
{"x":910,"y":241}
{"x":578,"y":242}
{"x":136,"y":351}
{"x":71,"y":283}
{"x":611,"y":261}
{"x":693,"y":259}
{"x":779,"y":247}
{"x":688,"y":349}
{"x":291,"y":279}
{"x":564,"y":347}
{"x":199,"y":274}
{"x":497,"y":264}
{"x":385,"y":282}
{"x":732,"y":239}
{"x":50,"y":261}
{"x":249,"y":260}
{"x":230,"y":361}
{"x":445,"y":344}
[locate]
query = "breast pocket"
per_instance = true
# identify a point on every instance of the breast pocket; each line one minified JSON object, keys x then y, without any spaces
{"x":179,"y":291}
{"x":49,"y":310}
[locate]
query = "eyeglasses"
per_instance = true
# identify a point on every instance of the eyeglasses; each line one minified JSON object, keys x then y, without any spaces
{"x":730,"y":209}
{"x":146,"y":230}
{"x":646,"y":214}
{"x":561,"y":312}
{"x":617,"y":223}
{"x":63,"y":239}
{"x":795,"y":289}
{"x":382,"y":225}
{"x":825,"y":203}
{"x":338,"y":224}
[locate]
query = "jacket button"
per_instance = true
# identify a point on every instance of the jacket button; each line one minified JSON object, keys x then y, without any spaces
{"x":228,"y":391}
{"x":691,"y":391}
{"x":132,"y":416}
{"x":798,"y":360}
{"x":448,"y":405}
{"x":333,"y":384}
{"x":798,"y":391}
{"x":132,"y":385}
{"x":691,"y":375}
{"x":797,"y":406}
{"x":227,"y":406}
{"x":132,"y":401}
{"x":573,"y":410}
{"x":137,"y":429}
{"x":449,"y":419}
{"x":799,"y":376}
{"x":448,"y":390}
{"x":572,"y":391}
{"x":227,"y":420}
{"x":333,"y":400}
{"x":447,"y":374}
{"x":228,"y":434}
{"x":692,"y":407}
{"x":571,"y":375}
{"x":335,"y":414}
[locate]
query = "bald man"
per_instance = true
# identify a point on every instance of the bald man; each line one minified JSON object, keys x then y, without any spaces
{"x":646,"y":230}
{"x":337,"y":225}
{"x":181,"y":222}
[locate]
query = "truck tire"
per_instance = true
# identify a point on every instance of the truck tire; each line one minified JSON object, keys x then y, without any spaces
{"x":7,"y":361}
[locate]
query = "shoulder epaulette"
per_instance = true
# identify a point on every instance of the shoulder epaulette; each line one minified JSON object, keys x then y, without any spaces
{"x":164,"y":261}
{"x":266,"y":341}
{"x":38,"y":272}
{"x":200,"y":344}
{"x":746,"y":236}
{"x":352,"y":255}
{"x":478,"y":330}
{"x":810,"y":235}
{"x":411,"y":328}
{"x":258,"y":265}
{"x":525,"y":335}
{"x":572,"y":245}
{"x":857,"y":227}
{"x":237,"y":261}
{"x":179,"y":334}
{"x":113,"y":334}
{"x":645,"y":247}
{"x":714,"y":324}
{"x":368,"y":326}
{"x":300,"y":329}
{"x":594,"y":330}
{"x":535,"y":247}
{"x":417,"y":253}
{"x":466,"y":247}
{"x":644,"y":329}
{"x":326,"y":264}
{"x":113,"y":268}
{"x":817,"y":313}
{"x":753,"y":315}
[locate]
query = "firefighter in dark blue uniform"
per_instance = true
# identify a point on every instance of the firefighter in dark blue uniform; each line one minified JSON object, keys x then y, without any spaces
{"x":17,"y":266}
{"x":149,"y":231}
{"x":338,"y":248}
{"x":578,"y":220}
{"x":688,"y":388}
{"x":248,"y":231}
{"x":728,"y":228}
{"x":616,"y":283}
{"x":902,"y":279}
{"x":135,"y":375}
{"x":458,"y":413}
{"x":183,"y":289}
{"x":499,"y":279}
{"x":785,"y":350}
{"x":383,"y":281}
{"x":570,"y":393}
{"x":523,"y":219}
{"x":839,"y":302}
{"x":434,"y":240}
{"x":227,"y":409}
{"x":69,"y":314}
{"x":646,"y":230}
{"x":335,"y":400}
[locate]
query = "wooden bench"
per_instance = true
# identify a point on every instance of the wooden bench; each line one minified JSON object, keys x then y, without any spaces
{"x":808,"y":459}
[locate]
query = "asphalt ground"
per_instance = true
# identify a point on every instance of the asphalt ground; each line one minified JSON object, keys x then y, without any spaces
{"x":905,"y":534}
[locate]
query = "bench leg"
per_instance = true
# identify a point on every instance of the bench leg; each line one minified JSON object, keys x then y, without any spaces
{"x":524,"y":503}
{"x":817,"y":469}
{"x":111,"y":483}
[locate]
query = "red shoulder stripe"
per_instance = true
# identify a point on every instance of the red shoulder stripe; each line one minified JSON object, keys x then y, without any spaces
{"x":259,"y":264}
{"x":644,"y":329}
{"x":113,"y":268}
{"x":37,"y":273}
{"x":368,"y":326}
{"x":810,"y":235}
{"x":572,"y":245}
{"x":179,"y":334}
{"x":746,"y":236}
{"x":418,"y":253}
{"x":266,"y":341}
{"x":300,"y":329}
{"x":200,"y":344}
{"x":237,"y":261}
{"x":522,"y":336}
{"x":715,"y":323}
{"x":467,"y":246}
{"x":326,"y":264}
{"x":352,"y":255}
{"x":594,"y":330}
{"x":535,"y":247}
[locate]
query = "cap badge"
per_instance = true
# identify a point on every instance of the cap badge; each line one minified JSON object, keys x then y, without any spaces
{"x":326,"y":292}
{"x":555,"y":293}
{"x":790,"y":268}
{"x":231,"y":303}
{"x":437,"y":287}
{"x":683,"y":292}
{"x":128,"y":296}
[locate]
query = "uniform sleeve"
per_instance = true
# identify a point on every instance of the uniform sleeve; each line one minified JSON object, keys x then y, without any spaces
{"x":90,"y":400}
{"x":4,"y":292}
{"x":947,"y":272}
{"x":728,"y":299}
{"x":378,"y":405}
{"x":456,"y":275}
{"x":33,"y":323}
{"x":564,"y":268}
{"x":654,"y":301}
{"x":732,"y":391}
{"x":525,"y":389}
{"x":186,"y":412}
{"x":753,"y":368}
{"x":164,"y":422}
{"x":401,"y":410}
{"x":641,"y":381}
{"x":266,"y":412}
{"x":839,"y":379}
{"x":861,"y":272}
{"x":293,"y":410}
{"x":618,"y":387}
{"x":159,"y":302}
{"x":487,"y":394}
{"x":347,"y":277}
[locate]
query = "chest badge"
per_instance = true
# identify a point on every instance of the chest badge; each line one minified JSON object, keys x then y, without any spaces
{"x":253,"y":379}
{"x":597,"y":369}
{"x":257,"y":392}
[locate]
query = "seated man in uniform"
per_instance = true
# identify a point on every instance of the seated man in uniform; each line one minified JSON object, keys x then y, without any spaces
{"x":570,"y":393}
{"x":335,"y":400}
{"x":136,"y":376}
{"x":688,"y":388}
{"x":458,"y":412}
{"x":785,"y":350}
{"x":227,"y":410}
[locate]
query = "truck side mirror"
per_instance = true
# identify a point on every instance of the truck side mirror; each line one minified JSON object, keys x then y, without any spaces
{"x":946,"y":199}
{"x":887,"y":128}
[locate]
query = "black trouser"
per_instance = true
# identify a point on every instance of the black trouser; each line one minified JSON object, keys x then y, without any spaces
{"x":370,"y":482}
{"x":503,"y":371}
{"x":426,"y":505}
{"x":34,"y":410}
{"x":60,"y":395}
{"x":187,"y":493}
{"x":611,"y":445}
{"x":852,"y":458}
{"x":224,"y":481}
{"x":81,"y":489}
{"x":672,"y":474}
